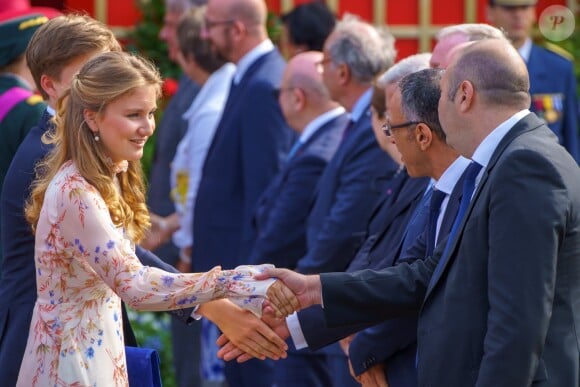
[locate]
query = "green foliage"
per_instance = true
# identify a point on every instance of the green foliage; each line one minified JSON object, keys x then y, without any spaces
{"x":145,"y":37}
{"x":152,"y":330}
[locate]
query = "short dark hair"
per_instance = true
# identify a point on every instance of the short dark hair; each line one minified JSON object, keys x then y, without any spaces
{"x":192,"y":45}
{"x":420,"y":93}
{"x":309,"y":24}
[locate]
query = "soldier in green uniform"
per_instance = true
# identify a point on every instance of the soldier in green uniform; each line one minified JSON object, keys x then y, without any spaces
{"x":20,"y":107}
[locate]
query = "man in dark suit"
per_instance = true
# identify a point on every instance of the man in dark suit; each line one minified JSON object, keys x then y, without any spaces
{"x":498,"y":299}
{"x":18,"y":283}
{"x":250,"y":143}
{"x":551,"y":70}
{"x":354,"y":54}
{"x":387,"y":352}
{"x":280,"y":218}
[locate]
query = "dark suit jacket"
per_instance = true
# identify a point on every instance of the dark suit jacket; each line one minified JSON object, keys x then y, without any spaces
{"x":18,"y":282}
{"x":394,"y":342}
{"x":383,"y":242}
{"x":346,"y":194}
{"x":552,"y":77}
{"x":170,"y":131}
{"x":280,"y":219}
{"x":247,"y":151}
{"x":504,"y":311}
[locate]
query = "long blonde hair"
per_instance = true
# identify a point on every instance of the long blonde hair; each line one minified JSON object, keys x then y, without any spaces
{"x":101,"y":81}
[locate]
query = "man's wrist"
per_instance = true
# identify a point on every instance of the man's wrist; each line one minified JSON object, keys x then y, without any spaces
{"x":314,"y":288}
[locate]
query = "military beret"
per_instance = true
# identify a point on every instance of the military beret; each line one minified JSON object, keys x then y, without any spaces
{"x":513,"y":3}
{"x":16,"y":34}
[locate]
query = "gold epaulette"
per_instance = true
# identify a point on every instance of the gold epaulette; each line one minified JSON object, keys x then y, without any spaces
{"x":34,"y":100}
{"x":558,"y":50}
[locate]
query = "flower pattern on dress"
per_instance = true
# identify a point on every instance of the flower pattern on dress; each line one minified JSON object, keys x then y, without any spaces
{"x":84,"y":266}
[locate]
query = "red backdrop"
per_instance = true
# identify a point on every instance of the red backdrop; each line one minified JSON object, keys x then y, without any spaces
{"x":402,"y":16}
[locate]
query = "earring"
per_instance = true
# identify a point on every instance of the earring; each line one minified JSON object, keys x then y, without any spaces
{"x":96,"y":137}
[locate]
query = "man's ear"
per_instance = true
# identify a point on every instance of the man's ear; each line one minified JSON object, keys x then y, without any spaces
{"x":465,"y":96}
{"x":90,"y":118}
{"x":344,"y":73}
{"x":47,"y":84}
{"x":423,"y":136}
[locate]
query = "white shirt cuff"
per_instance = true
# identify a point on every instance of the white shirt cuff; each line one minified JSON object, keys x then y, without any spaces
{"x":194,"y":315}
{"x":296,"y":331}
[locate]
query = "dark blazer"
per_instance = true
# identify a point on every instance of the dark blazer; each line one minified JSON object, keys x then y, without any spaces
{"x":504,"y":310}
{"x":248,"y":148}
{"x":280,"y":219}
{"x":382,"y":244}
{"x":346,"y":194}
{"x":554,"y":98}
{"x":169,"y":133}
{"x":394,"y":342}
{"x":18,"y":282}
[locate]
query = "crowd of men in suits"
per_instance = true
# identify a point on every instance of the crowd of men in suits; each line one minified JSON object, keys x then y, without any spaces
{"x":339,"y":160}
{"x":296,"y":176}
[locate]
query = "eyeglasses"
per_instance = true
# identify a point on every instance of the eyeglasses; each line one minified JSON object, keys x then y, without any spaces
{"x":388,"y":128}
{"x":320,"y":64}
{"x":280,"y":90}
{"x":209,"y":24}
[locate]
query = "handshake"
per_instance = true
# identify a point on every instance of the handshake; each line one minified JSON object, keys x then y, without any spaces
{"x":246,"y":336}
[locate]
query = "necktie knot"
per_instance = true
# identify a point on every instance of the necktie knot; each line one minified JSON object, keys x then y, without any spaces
{"x":294,"y":149}
{"x":436,"y":200}
{"x":471,"y":173}
{"x":434,"y":208}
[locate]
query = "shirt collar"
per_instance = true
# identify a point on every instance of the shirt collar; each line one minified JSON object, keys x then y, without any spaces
{"x":485,"y":150}
{"x":449,"y":178}
{"x":251,"y":56}
{"x":361,"y":105}
{"x":318,"y":122}
{"x":51,"y":111}
{"x":525,"y":50}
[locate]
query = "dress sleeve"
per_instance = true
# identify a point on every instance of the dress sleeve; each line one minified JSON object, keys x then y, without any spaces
{"x":89,"y":236}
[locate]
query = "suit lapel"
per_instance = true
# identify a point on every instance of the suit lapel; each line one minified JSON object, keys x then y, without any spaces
{"x":526,"y":124}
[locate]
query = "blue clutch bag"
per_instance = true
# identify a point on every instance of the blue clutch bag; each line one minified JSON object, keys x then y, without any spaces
{"x":143,"y":367}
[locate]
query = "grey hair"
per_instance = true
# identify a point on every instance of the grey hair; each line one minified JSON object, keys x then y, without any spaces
{"x":473,"y":31}
{"x":420,"y":93}
{"x":182,"y":6}
{"x":366,"y":50}
{"x":402,"y":68}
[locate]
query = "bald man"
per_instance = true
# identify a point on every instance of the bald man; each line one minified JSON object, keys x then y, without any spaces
{"x":452,"y":36}
{"x":280,"y":219}
{"x":282,"y":210}
{"x":250,"y":143}
{"x":499,"y":301}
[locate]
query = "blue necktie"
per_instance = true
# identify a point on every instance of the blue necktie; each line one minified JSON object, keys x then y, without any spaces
{"x":294,"y":149}
{"x":347,"y":129}
{"x":468,"y":188}
{"x":434,"y":210}
{"x":418,"y":221}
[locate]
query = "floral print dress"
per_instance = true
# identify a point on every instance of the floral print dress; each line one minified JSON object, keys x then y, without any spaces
{"x":84,"y":266}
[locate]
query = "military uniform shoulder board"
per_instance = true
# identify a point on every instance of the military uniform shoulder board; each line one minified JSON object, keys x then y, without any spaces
{"x":34,"y":100}
{"x":559,"y":51}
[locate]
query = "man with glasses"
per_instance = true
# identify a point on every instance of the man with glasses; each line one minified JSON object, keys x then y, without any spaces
{"x":250,"y":142}
{"x":353,"y":179}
